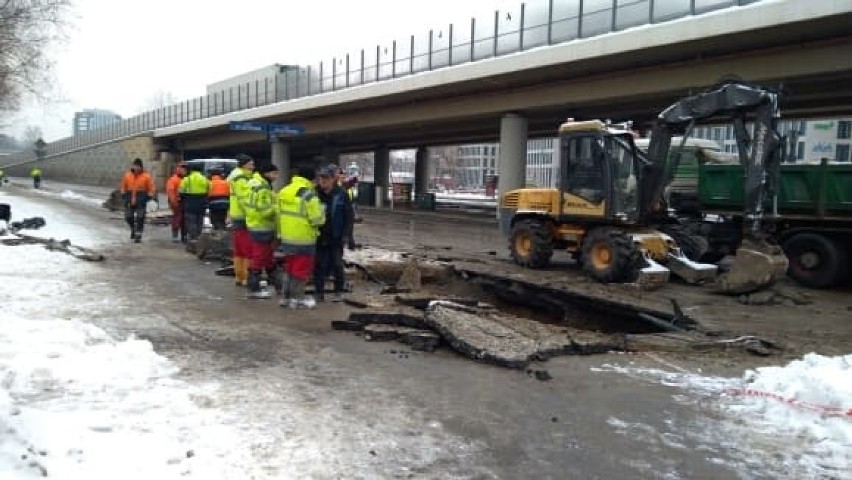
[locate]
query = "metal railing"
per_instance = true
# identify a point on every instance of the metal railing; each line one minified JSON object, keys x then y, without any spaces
{"x":533,"y":24}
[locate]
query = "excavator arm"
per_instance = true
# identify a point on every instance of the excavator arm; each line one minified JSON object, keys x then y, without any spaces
{"x":730,"y":102}
{"x":757,"y":263}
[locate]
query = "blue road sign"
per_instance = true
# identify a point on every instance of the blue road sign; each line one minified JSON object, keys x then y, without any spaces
{"x":272,"y":130}
{"x":285,"y":129}
{"x":248,"y":126}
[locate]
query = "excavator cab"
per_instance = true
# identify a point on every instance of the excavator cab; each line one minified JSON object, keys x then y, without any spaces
{"x":599,"y":176}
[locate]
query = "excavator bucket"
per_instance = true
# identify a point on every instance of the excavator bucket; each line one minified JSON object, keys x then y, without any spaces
{"x":757,"y":264}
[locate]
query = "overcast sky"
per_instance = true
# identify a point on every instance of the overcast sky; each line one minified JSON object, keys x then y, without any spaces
{"x":119,"y":53}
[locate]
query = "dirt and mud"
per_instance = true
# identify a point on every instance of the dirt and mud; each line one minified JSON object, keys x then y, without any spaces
{"x":319,"y":403}
{"x":791,"y":320}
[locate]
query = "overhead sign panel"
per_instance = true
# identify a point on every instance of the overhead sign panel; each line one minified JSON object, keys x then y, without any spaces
{"x":248,"y":126}
{"x":279,"y":129}
{"x":285,"y":129}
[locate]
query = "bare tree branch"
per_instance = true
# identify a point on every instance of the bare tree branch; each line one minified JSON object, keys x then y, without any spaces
{"x":27,"y":29}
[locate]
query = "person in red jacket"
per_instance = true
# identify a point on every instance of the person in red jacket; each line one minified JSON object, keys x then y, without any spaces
{"x":217,"y":199}
{"x":178,"y":227}
{"x":137,"y":189}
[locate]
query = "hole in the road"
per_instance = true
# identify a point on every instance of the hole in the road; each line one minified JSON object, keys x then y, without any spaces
{"x":554,"y":306}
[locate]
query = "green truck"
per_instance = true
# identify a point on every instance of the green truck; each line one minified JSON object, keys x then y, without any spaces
{"x":813,"y":225}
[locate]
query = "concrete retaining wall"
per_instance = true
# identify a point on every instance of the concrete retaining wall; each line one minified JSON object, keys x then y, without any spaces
{"x":100,"y":165}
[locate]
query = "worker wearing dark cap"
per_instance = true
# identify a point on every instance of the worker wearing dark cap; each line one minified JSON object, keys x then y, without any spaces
{"x":337,"y":229}
{"x":239,"y":190}
{"x":260,"y":222}
{"x":300,"y":215}
{"x":137,"y":189}
{"x":193,"y":190}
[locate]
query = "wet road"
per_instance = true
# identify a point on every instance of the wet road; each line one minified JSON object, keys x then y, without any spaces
{"x":315,"y":403}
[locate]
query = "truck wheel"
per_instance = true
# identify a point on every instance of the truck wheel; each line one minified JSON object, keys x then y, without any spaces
{"x":816,"y":261}
{"x":610,"y":256}
{"x":693,"y":246}
{"x":531,"y":243}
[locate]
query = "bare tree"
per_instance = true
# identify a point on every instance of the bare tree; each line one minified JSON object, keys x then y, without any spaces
{"x":159,"y":99}
{"x":31,"y":134}
{"x":27,"y":29}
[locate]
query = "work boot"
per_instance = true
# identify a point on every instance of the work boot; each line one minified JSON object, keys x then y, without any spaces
{"x":285,"y":293}
{"x":240,"y":273}
{"x":298,"y":294}
{"x":255,"y":291}
{"x":276,"y":278}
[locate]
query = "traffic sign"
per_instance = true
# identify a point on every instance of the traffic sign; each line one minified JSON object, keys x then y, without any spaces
{"x":285,"y":129}
{"x":272,"y":130}
{"x":248,"y":126}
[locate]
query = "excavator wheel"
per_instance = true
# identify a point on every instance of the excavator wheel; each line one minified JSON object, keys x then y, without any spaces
{"x":815,"y":260}
{"x":610,"y":256}
{"x":756,"y":265}
{"x":531,"y":243}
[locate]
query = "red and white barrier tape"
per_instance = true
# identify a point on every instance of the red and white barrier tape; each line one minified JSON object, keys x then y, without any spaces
{"x":824,"y":410}
{"x":821,"y":409}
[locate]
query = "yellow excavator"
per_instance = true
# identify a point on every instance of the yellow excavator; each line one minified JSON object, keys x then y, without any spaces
{"x":609,"y":210}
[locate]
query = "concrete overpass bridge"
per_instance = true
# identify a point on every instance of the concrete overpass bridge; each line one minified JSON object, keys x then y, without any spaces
{"x":582,"y":59}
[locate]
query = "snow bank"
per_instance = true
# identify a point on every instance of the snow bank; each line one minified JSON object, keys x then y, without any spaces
{"x":368,"y":255}
{"x":794,"y":419}
{"x":75,"y":403}
{"x":70,"y":195}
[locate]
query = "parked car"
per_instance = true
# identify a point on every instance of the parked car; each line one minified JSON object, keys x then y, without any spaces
{"x":225,"y":165}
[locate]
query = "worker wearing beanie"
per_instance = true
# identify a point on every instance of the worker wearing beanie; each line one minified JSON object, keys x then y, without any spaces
{"x":193,"y":190}
{"x":260,"y":222}
{"x":238,"y":182}
{"x":300,"y":215}
{"x":137,"y":189}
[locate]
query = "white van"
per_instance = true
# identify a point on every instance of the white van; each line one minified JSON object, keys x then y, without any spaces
{"x":225,"y":165}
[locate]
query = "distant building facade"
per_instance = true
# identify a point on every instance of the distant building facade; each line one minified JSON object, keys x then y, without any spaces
{"x":93,"y":118}
{"x":823,"y":138}
{"x":478,"y":162}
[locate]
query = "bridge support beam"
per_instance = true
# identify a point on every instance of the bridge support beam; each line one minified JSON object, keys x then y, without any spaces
{"x":281,"y":159}
{"x":513,"y":153}
{"x":381,"y":173}
{"x":330,"y":154}
{"x":421,"y":170}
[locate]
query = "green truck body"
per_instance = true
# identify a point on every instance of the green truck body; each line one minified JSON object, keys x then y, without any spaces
{"x":814,"y":222}
{"x":823,"y":190}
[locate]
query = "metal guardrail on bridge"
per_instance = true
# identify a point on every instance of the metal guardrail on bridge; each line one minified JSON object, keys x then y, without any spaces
{"x":533,"y":24}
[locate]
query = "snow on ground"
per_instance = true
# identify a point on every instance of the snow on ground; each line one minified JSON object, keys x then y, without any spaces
{"x":74,"y":196}
{"x":76,"y":402}
{"x":793,"y":421}
{"x":367,"y":255}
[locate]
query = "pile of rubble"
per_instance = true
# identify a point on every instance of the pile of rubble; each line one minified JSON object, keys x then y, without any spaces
{"x":474,"y":329}
{"x":12,"y":236}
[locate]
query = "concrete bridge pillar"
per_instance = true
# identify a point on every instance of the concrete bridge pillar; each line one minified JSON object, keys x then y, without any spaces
{"x":513,"y":153}
{"x":421,"y":170}
{"x":281,"y":159}
{"x":381,"y":173}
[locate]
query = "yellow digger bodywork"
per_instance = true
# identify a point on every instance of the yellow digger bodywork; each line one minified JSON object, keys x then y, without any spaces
{"x":546,"y":207}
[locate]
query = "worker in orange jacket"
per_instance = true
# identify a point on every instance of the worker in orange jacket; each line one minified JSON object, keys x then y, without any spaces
{"x":218,"y":199}
{"x":178,"y":226}
{"x":137,"y":189}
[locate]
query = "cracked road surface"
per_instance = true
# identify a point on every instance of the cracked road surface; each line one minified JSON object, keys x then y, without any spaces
{"x":317,"y":403}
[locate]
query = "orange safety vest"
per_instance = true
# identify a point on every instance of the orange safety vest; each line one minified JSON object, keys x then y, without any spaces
{"x":218,"y":187}
{"x":172,"y":189}
{"x":137,"y":183}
